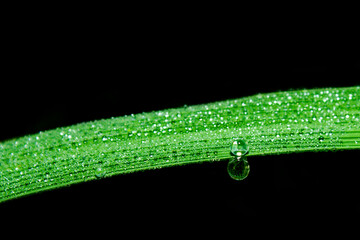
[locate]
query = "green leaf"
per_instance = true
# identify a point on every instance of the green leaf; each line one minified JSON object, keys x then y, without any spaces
{"x":274,"y":123}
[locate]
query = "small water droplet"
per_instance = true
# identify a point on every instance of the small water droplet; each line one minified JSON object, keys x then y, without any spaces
{"x":238,"y":168}
{"x":321,"y":138}
{"x":239,"y":148}
{"x":100,"y":172}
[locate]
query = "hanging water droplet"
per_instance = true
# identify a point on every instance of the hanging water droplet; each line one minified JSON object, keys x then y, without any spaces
{"x":100,"y":172}
{"x":239,"y":148}
{"x":238,"y":168}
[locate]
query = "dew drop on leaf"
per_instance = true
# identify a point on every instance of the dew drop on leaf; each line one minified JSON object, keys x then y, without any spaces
{"x":239,"y":148}
{"x":100,"y":172}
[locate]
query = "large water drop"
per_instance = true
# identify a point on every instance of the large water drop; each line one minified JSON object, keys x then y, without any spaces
{"x":238,"y":168}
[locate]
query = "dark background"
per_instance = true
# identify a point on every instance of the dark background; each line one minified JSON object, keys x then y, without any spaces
{"x":57,"y":74}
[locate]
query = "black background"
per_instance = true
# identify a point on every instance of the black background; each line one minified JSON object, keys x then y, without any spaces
{"x":57,"y":74}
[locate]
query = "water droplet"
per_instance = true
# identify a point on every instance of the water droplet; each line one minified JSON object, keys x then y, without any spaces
{"x":238,"y":168}
{"x":321,"y":138}
{"x":239,"y":148}
{"x":100,"y":172}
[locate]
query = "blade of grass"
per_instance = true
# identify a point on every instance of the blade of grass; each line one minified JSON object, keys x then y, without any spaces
{"x":273,"y":123}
